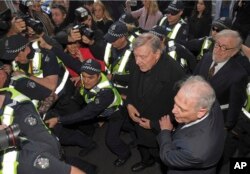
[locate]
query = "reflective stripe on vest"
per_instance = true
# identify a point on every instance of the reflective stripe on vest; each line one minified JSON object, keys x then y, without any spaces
{"x":9,"y":163}
{"x":107,"y":55}
{"x":63,"y":82}
{"x":174,"y":32}
{"x":117,"y":101}
{"x":124,"y":61}
{"x":247,"y":105}
{"x":162,"y":20}
{"x":205,"y":45}
{"x":173,"y":53}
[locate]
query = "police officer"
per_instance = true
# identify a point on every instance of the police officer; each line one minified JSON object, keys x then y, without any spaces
{"x":118,"y":57}
{"x":175,"y":50}
{"x":102,"y":100}
{"x":28,"y":87}
{"x":200,"y":46}
{"x":39,"y":152}
{"x":132,"y":25}
{"x":177,"y":28}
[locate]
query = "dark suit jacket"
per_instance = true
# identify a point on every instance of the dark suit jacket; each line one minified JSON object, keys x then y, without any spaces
{"x":229,"y":84}
{"x":195,"y":149}
{"x":157,"y":99}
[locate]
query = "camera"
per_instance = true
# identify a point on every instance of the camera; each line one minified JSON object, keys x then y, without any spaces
{"x":36,"y":25}
{"x":9,"y":137}
{"x":84,"y":30}
{"x":81,"y":14}
{"x":26,"y":3}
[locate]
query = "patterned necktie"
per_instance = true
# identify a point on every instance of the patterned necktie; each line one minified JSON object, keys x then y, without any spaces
{"x":211,"y":70}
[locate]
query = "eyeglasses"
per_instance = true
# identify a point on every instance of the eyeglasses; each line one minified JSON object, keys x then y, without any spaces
{"x":216,"y":29}
{"x":222,"y":47}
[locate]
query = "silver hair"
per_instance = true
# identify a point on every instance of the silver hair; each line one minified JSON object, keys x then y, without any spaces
{"x":233,"y":34}
{"x":148,"y":39}
{"x":197,"y":87}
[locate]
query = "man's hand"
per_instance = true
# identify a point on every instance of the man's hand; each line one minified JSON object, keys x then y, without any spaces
{"x":52,"y":122}
{"x":18,"y":24}
{"x":87,"y":41}
{"x":133,"y":113}
{"x":74,"y":35}
{"x":165,"y":123}
{"x":145,"y":123}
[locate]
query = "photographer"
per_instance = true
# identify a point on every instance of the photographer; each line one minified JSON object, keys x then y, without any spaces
{"x":85,"y":31}
{"x":34,"y":154}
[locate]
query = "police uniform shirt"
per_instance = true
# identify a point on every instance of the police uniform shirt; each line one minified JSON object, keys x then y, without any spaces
{"x":31,"y":89}
{"x":195,"y":46}
{"x":182,"y":35}
{"x":30,"y":123}
{"x":185,"y":54}
{"x":92,"y":110}
{"x":49,"y":64}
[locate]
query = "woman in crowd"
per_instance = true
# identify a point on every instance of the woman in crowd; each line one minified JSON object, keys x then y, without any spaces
{"x":148,"y":15}
{"x":200,"y":20}
{"x":101,"y":16}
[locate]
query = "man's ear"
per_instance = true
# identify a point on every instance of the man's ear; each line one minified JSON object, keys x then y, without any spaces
{"x":201,"y":113}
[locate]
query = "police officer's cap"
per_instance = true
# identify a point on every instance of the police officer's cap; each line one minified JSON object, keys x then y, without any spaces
{"x":223,"y":23}
{"x":159,"y":31}
{"x":175,"y":7}
{"x":116,"y":31}
{"x":13,"y":45}
{"x":127,"y":18}
{"x":91,"y":67}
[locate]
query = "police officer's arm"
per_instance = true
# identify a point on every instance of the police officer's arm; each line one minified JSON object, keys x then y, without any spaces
{"x":32,"y":89}
{"x":49,"y":82}
{"x":64,"y":57}
{"x":103,"y":99}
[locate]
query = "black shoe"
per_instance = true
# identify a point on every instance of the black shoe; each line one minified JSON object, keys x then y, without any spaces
{"x":119,"y":162}
{"x":86,"y":150}
{"x":137,"y":167}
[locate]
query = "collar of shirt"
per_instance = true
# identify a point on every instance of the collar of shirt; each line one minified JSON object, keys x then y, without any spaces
{"x":195,"y":122}
{"x":219,"y":66}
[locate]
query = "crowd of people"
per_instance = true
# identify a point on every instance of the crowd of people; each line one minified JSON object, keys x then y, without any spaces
{"x":176,"y":81}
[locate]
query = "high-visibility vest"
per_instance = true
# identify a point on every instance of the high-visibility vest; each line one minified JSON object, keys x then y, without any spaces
{"x":173,"y":54}
{"x":163,"y":19}
{"x":35,"y":67}
{"x":205,"y":45}
{"x":174,"y":32}
{"x":246,"y":108}
{"x":10,"y":163}
{"x":16,"y":78}
{"x":103,"y":84}
{"x":119,"y":67}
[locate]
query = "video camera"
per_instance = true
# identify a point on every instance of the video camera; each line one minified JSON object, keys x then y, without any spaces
{"x":84,"y":30}
{"x":36,"y":25}
{"x":9,"y":137}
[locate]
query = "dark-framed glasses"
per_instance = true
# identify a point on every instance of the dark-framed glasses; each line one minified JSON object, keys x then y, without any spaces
{"x":222,"y":47}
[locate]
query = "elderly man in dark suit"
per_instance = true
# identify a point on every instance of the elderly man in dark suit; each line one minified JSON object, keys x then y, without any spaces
{"x":196,"y":145}
{"x":150,"y":94}
{"x":224,"y":71}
